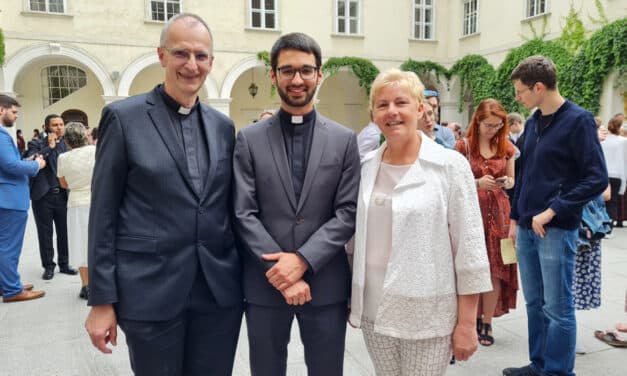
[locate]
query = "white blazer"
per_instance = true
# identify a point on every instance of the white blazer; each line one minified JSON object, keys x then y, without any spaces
{"x":438,"y":246}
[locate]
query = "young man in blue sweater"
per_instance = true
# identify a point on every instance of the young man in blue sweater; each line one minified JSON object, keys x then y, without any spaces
{"x":562,"y":168}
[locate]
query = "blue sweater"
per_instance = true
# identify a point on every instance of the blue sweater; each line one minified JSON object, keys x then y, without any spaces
{"x":561,"y":167}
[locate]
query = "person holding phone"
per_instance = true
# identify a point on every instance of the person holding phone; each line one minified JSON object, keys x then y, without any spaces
{"x":491,"y":157}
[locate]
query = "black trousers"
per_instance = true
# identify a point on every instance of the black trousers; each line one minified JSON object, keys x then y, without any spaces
{"x":613,"y":206}
{"x":322,"y":331}
{"x":52,"y":208}
{"x":199,"y":341}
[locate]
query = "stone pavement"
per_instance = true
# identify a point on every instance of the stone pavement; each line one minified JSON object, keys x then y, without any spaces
{"x":46,"y":336}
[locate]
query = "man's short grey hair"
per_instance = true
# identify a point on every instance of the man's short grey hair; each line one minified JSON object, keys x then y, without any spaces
{"x":194,"y":19}
{"x":75,"y":134}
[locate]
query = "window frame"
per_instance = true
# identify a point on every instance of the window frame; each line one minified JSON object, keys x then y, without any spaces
{"x":27,"y":6}
{"x":546,"y":11}
{"x":466,"y":26}
{"x":347,"y":18}
{"x":263,"y":13}
{"x":423,"y":23}
{"x":149,"y":12}
{"x":47,"y":87}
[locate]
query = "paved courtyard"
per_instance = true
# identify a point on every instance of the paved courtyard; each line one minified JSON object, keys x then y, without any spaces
{"x":46,"y":336}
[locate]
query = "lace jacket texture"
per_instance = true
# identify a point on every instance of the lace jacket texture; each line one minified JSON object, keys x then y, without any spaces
{"x":438,"y":246}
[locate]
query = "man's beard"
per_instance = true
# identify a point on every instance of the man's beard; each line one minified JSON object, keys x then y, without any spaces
{"x":300,"y":103}
{"x":6,"y":121}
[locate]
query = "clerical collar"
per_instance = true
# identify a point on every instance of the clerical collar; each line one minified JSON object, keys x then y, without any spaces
{"x":173,"y":104}
{"x":287,"y":118}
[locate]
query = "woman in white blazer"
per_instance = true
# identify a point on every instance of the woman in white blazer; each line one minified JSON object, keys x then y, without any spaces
{"x":419,"y":259}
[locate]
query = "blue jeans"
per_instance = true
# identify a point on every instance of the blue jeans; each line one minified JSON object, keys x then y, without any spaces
{"x":546,"y":271}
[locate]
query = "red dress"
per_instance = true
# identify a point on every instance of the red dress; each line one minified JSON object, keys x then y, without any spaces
{"x":495,"y":210}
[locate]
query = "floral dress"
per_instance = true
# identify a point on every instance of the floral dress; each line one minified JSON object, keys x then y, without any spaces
{"x":495,"y":209}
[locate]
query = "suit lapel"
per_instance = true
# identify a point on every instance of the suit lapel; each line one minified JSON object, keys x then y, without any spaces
{"x":161,"y":121}
{"x":277,"y":147}
{"x":211,"y":138}
{"x":315,"y":156}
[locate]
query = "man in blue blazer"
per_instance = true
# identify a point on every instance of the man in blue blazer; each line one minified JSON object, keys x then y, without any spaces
{"x":296,"y":183}
{"x":14,"y":202}
{"x":162,"y":258}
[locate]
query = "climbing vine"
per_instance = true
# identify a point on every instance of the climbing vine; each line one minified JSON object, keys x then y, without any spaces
{"x":605,"y":51}
{"x":1,"y":48}
{"x":424,"y":69}
{"x":363,"y":69}
{"x":475,"y":75}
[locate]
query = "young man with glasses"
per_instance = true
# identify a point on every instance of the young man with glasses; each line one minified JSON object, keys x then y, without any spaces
{"x":561,"y":169}
{"x":296,"y":181}
{"x":162,"y":260}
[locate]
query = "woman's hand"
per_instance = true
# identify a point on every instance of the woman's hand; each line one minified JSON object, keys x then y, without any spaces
{"x":465,"y":341}
{"x":487,"y":182}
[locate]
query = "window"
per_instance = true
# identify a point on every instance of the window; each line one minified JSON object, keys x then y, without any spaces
{"x":536,"y":7}
{"x":47,"y":6}
{"x":348,"y":16}
{"x":263,"y":14}
{"x":163,"y":10}
{"x":424,"y":19}
{"x":59,"y":81}
{"x":471,"y":15}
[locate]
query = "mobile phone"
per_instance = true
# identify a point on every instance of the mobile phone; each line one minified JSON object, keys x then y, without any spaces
{"x":502,"y":179}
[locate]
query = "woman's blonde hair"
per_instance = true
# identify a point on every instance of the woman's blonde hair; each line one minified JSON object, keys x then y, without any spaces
{"x":406,"y":80}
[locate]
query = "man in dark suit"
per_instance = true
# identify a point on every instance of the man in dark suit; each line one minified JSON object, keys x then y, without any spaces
{"x":516,"y":124}
{"x":296,"y":183}
{"x":14,"y":202}
{"x":49,"y":199}
{"x":162,"y":258}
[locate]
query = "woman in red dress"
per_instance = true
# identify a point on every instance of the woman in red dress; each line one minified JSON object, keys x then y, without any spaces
{"x":491,"y":157}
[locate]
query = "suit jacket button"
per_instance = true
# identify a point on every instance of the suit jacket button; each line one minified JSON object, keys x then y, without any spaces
{"x":201,"y":211}
{"x":300,"y":220}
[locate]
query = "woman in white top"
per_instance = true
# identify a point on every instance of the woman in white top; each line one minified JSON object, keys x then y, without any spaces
{"x":74,"y":170}
{"x":419,"y":259}
{"x":615,"y":151}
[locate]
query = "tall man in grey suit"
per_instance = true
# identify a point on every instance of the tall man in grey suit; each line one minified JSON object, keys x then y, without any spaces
{"x":296,"y":183}
{"x":162,"y":259}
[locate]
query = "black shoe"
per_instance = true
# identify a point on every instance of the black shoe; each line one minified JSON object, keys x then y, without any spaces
{"x":84,"y":294}
{"x":522,"y":371}
{"x":68,"y":270}
{"x":48,"y":274}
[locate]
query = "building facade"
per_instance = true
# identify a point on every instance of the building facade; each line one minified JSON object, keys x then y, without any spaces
{"x":72,"y":57}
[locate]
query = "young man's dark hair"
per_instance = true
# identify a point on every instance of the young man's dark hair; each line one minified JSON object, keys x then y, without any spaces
{"x":48,"y":118}
{"x":295,"y":41}
{"x":8,"y":102}
{"x":534,"y":69}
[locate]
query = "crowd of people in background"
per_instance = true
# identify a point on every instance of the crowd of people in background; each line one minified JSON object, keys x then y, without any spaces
{"x":416,"y":218}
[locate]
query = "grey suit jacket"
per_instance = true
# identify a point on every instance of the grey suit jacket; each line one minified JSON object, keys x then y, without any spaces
{"x":317,"y":226}
{"x":150,"y":232}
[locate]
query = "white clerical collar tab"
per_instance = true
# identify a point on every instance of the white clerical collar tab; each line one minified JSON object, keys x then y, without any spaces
{"x":297,"y":119}
{"x":184,"y":110}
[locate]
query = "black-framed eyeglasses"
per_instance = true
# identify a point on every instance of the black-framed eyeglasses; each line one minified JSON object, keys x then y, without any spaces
{"x":184,"y":55}
{"x":307,"y":72}
{"x":519,"y":93}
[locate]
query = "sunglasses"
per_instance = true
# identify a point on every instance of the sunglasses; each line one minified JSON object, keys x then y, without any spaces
{"x":431,"y":93}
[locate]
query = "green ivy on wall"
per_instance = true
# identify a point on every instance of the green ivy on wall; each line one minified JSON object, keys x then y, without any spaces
{"x":476,"y":75}
{"x":605,"y":51}
{"x":363,"y":69}
{"x":1,"y":48}
{"x":425,"y":68}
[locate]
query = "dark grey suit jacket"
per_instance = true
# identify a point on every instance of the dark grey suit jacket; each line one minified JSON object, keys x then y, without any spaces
{"x":148,"y":228}
{"x":317,"y":227}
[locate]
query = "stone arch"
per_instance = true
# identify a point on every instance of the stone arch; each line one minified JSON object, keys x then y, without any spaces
{"x":30,"y":54}
{"x":235,"y":73}
{"x":133,"y":69}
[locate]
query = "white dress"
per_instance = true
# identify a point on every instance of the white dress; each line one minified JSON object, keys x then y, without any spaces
{"x":77,"y":166}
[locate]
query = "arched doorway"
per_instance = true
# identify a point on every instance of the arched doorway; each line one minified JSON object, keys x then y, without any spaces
{"x":75,"y":115}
